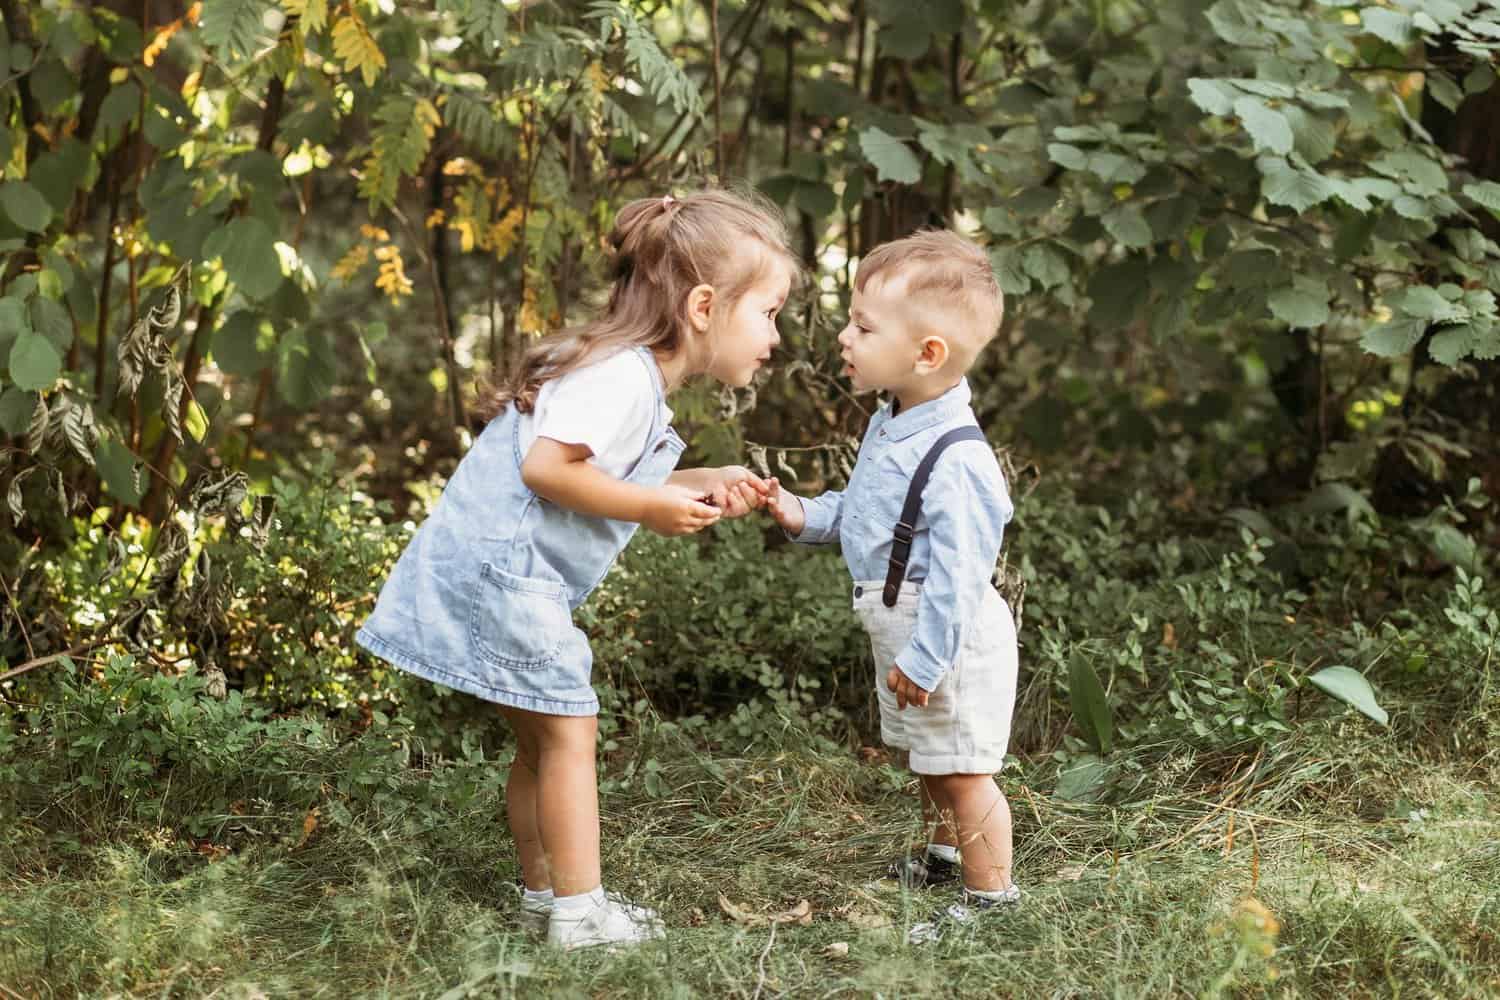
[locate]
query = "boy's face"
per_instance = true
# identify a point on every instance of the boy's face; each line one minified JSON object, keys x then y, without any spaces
{"x":882,"y":342}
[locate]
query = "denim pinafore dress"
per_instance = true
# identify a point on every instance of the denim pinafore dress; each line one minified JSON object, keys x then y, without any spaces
{"x":481,"y":599}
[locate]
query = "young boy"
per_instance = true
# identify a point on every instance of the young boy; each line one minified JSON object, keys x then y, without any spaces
{"x":944,"y":641}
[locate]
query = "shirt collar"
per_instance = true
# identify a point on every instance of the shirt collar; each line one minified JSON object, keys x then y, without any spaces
{"x":929,"y":414}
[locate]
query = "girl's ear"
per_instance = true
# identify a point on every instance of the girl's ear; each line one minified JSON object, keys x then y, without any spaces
{"x":934,"y":355}
{"x":700,"y":304}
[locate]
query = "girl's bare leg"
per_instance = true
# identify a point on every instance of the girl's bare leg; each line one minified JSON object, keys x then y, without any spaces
{"x":567,"y":798}
{"x":520,"y":803}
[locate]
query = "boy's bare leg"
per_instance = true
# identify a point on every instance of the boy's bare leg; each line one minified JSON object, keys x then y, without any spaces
{"x":936,"y":818}
{"x":520,"y":805}
{"x":566,"y":797}
{"x":984,"y":830}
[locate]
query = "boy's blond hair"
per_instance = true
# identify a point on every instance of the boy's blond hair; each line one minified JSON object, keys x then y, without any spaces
{"x":948,"y":271}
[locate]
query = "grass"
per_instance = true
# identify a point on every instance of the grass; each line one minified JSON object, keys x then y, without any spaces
{"x":1336,"y":863}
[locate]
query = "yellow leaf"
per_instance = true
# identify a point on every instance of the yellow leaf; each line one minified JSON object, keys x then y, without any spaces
{"x":435,"y":218}
{"x":353,"y":43}
{"x":159,"y":43}
{"x":427,"y":115}
{"x":311,"y":15}
{"x":392,"y":278}
{"x":503,"y":234}
{"x":351,"y":262}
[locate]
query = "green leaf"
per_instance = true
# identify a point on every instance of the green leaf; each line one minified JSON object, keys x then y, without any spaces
{"x":25,"y":206}
{"x":1393,"y":339}
{"x":1171,"y":217}
{"x":233,"y":27}
{"x":1046,"y":264}
{"x":907,"y":29}
{"x":118,"y":112}
{"x":14,"y":318}
{"x":1010,"y":271}
{"x":1422,"y":173}
{"x":1300,"y":306}
{"x":248,"y":249}
{"x":306,"y":367}
{"x":1452,"y":546}
{"x":1452,"y":344}
{"x":1268,"y":128}
{"x":242,"y":345}
{"x":1443,"y":89}
{"x":1082,"y":780}
{"x":196,"y":422}
{"x":34,"y":362}
{"x":16,"y":408}
{"x":1068,"y":156}
{"x":1350,"y":687}
{"x":1312,"y":137}
{"x":1118,"y":290}
{"x":1283,"y":184}
{"x":1428,"y":303}
{"x":1392,"y":26}
{"x":1128,"y":226}
{"x":893,"y":159}
{"x":120,"y":470}
{"x":50,"y":319}
{"x":1216,"y":97}
{"x":1486,"y":194}
{"x":1090,"y":705}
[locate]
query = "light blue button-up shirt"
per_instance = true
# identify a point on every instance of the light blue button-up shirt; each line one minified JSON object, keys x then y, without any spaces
{"x":957,"y":536}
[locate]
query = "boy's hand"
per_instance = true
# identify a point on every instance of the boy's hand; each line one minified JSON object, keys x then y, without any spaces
{"x":905,"y":689}
{"x":786,"y":509}
{"x":678,"y":510}
{"x":736,"y":491}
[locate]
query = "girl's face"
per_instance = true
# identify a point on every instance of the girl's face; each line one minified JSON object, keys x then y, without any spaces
{"x":742,"y":341}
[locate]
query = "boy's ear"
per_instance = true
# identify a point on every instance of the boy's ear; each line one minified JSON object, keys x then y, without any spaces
{"x":700,"y":303}
{"x":933,"y":355}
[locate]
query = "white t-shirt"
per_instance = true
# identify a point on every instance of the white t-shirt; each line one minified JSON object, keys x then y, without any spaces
{"x":606,"y":405}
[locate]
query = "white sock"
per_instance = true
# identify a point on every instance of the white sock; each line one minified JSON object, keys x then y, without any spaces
{"x":579,"y":904}
{"x":999,"y":895}
{"x":539,"y":896}
{"x":943,"y":852}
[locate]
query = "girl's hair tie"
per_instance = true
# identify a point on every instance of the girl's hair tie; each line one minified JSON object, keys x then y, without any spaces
{"x":667,"y":201}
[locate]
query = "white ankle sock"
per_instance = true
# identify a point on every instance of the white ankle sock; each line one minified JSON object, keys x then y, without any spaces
{"x":999,"y":895}
{"x":539,"y":895}
{"x":943,"y":852}
{"x":579,"y":904}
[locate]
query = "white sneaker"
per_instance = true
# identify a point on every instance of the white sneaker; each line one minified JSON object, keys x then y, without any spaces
{"x":535,"y":913}
{"x":613,"y":921}
{"x":965,"y":911}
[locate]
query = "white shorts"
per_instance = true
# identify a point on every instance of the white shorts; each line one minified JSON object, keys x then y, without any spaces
{"x":965,"y":727}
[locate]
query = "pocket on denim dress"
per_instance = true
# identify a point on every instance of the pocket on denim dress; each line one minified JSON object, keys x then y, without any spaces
{"x":517,"y":621}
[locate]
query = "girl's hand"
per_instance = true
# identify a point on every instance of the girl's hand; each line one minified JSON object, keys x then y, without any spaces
{"x":737,"y":491}
{"x":678,"y":510}
{"x":905,"y":689}
{"x":786,"y":509}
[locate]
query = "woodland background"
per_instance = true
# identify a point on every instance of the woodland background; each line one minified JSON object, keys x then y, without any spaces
{"x":260,"y":257}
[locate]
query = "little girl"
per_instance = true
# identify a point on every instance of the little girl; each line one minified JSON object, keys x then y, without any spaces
{"x":578,"y":453}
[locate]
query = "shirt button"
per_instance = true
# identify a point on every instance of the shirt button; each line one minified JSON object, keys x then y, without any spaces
{"x":859,"y":592}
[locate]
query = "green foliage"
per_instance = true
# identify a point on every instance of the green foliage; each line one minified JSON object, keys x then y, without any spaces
{"x":685,"y":625}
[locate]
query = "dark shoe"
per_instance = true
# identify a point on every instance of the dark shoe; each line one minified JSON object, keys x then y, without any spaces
{"x":918,"y":871}
{"x":964,"y":912}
